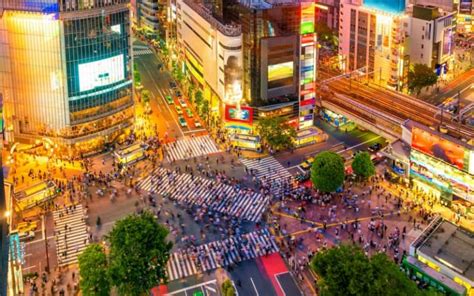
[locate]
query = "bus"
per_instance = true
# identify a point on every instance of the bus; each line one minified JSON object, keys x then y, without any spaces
{"x":247,"y":142}
{"x":35,"y":195}
{"x":130,"y":154}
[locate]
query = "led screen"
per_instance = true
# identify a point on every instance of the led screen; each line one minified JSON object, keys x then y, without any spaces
{"x":280,"y":71}
{"x":435,"y":146}
{"x":244,"y":114}
{"x":101,"y":73}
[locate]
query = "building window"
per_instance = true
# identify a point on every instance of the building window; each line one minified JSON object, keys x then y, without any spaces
{"x":422,"y":46}
{"x":421,"y":56}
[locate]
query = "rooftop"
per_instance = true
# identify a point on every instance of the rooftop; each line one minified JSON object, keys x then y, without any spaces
{"x":451,"y":246}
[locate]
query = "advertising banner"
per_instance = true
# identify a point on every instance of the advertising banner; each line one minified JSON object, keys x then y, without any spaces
{"x":244,"y":114}
{"x":437,"y":147}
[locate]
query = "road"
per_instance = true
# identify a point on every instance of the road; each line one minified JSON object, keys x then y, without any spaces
{"x":157,"y":81}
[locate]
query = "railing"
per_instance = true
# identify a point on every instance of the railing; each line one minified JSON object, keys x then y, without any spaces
{"x":228,"y":30}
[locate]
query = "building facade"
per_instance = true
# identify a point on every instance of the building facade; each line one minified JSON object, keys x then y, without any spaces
{"x":147,"y":14}
{"x":374,"y":37}
{"x":65,"y":69}
{"x":432,"y":37}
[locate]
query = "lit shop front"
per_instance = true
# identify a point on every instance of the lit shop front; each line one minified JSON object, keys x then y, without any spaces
{"x":445,"y":166}
{"x":238,"y":119}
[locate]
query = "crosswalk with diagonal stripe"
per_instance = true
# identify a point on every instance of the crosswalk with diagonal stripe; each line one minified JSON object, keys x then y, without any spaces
{"x":194,"y":260}
{"x":189,"y":147}
{"x":138,"y":52}
{"x":70,"y":233}
{"x":270,"y":170}
{"x":216,"y":196}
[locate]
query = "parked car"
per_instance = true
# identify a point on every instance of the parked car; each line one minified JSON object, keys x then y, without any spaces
{"x":177,"y":93}
{"x":197,"y":123}
{"x":182,"y":102}
{"x":182,"y":121}
{"x":178,"y":110}
{"x":189,"y":113}
{"x":169,"y":100}
{"x":375,"y":147}
{"x":173,"y":84}
{"x":306,"y":164}
{"x":27,"y":226}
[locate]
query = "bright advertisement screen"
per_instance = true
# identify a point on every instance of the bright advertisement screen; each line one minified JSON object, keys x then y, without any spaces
{"x":101,"y":73}
{"x":280,"y":71}
{"x":435,"y":146}
{"x":244,"y":114}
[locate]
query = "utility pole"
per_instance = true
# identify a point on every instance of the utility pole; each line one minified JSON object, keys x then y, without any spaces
{"x":46,"y":243}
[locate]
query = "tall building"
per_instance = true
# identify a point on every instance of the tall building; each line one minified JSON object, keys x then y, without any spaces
{"x":373,"y":36}
{"x":432,"y":37}
{"x":147,"y":14}
{"x":65,"y":71}
{"x":327,"y":12}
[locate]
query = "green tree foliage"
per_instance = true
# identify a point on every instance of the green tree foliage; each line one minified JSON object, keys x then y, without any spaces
{"x":227,"y":288}
{"x":345,"y":270}
{"x":137,"y":78}
{"x":205,"y":109}
{"x":139,"y":252}
{"x":198,"y":99}
{"x":420,"y":76}
{"x":363,"y":165}
{"x":146,"y":96}
{"x":325,"y":34}
{"x":276,"y":132}
{"x":93,"y":265}
{"x":190,"y":93}
{"x":327,"y":171}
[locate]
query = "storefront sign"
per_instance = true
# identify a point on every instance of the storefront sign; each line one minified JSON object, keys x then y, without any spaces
{"x":242,"y":114}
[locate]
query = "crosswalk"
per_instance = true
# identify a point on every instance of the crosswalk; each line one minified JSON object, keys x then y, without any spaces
{"x":194,"y":260}
{"x":215,"y":196}
{"x":144,"y":51}
{"x":70,"y":233}
{"x":270,"y":170}
{"x":189,"y":147}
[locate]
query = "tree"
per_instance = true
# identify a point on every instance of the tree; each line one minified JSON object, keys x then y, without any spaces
{"x":345,"y":270}
{"x":327,"y":171}
{"x":198,"y":99}
{"x":421,"y":76}
{"x":137,"y":78}
{"x":227,"y":288}
{"x":146,"y":96}
{"x":276,"y":132}
{"x":139,"y":252}
{"x":190,"y":92}
{"x":363,"y":165}
{"x":93,"y":266}
{"x":205,"y":109}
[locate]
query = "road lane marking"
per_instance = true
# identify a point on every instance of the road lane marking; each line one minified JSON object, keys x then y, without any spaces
{"x":278,"y":281}
{"x":253,"y":284}
{"x":29,"y":267}
{"x":191,"y":287}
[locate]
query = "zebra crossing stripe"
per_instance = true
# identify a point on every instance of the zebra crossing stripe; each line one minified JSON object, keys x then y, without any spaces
{"x":70,"y":241}
{"x":203,"y":192}
{"x":183,"y":263}
{"x":189,"y":147}
{"x":270,"y":169}
{"x":142,"y":52}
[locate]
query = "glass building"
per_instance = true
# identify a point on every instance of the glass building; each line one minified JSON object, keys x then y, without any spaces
{"x":66,"y":71}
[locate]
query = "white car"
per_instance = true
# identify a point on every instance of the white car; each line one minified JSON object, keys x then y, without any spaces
{"x":182,"y":102}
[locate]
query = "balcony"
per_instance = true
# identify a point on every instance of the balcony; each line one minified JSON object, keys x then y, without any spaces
{"x":228,"y":30}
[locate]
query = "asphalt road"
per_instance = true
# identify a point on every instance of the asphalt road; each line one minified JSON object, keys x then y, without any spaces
{"x":157,"y":81}
{"x":254,"y":281}
{"x":338,"y":141}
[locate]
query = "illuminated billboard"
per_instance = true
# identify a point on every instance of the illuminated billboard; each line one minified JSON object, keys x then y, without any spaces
{"x":101,"y":73}
{"x":393,"y":6}
{"x":438,"y":147}
{"x":242,"y":114}
{"x":280,"y":71}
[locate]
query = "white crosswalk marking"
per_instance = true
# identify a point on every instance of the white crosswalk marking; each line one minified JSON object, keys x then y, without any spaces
{"x":194,"y":260}
{"x":270,"y":170}
{"x":216,"y":196}
{"x":189,"y":147}
{"x":144,"y":51}
{"x":71,"y":234}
